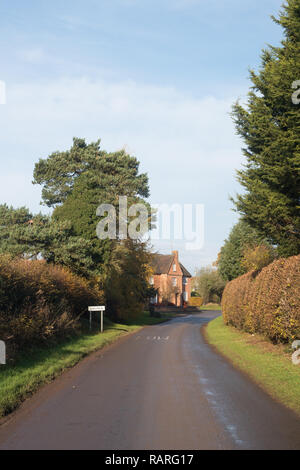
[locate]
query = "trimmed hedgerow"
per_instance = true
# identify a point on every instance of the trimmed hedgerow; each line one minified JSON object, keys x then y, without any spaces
{"x":266,"y":301}
{"x":39,"y":301}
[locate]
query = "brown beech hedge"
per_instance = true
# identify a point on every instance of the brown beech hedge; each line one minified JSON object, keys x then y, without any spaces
{"x":40,"y":301}
{"x":266,"y":301}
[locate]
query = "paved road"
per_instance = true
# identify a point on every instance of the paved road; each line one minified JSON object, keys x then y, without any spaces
{"x":161,"y":388}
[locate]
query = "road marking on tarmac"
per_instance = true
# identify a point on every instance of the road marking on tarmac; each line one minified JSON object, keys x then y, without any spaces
{"x":153,"y":338}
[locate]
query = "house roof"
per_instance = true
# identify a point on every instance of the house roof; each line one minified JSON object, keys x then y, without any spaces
{"x":185,"y":271}
{"x":162,"y":264}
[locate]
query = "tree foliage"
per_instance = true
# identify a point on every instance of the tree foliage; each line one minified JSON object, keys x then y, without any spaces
{"x":242,"y":239}
{"x":270,"y":126}
{"x":31,"y":237}
{"x":125,"y":281}
{"x":257,"y":257}
{"x":108,"y":174}
{"x":208,"y":284}
{"x":75,"y":183}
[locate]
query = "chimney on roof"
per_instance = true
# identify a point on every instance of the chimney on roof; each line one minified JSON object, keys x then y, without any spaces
{"x":175,"y":254}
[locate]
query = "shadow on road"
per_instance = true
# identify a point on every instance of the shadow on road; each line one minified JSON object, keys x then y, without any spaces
{"x":199,"y":318}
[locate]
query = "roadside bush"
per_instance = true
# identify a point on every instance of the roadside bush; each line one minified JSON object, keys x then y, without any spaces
{"x":39,"y":301}
{"x":196,"y":301}
{"x":257,"y":257}
{"x":209,"y":284}
{"x":266,"y":301}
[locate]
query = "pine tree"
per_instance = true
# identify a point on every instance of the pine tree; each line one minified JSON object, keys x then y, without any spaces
{"x":75,"y":183}
{"x":270,"y":128}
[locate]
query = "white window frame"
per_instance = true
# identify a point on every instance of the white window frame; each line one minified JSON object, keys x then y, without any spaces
{"x":154,"y":300}
{"x":174,"y":268}
{"x":174,"y":281}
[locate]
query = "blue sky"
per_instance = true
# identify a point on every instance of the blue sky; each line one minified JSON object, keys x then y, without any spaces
{"x":156,"y":76}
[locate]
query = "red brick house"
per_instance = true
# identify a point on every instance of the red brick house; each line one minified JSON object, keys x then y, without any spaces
{"x":172,"y":280}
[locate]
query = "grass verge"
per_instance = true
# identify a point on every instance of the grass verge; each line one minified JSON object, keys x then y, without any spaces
{"x":41,"y":365}
{"x":268,"y":365}
{"x":210,"y":307}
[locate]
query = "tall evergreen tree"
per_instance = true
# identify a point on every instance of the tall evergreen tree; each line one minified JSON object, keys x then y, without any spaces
{"x":270,"y":128}
{"x":241,"y":238}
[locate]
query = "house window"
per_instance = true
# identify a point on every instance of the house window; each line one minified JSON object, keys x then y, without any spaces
{"x":174,"y":281}
{"x":184,"y":281}
{"x":153,"y":300}
{"x":151,"y":280}
{"x":174,"y":267}
{"x":185,"y":296}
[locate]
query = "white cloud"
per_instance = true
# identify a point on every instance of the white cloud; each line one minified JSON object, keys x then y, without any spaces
{"x":121,"y":110}
{"x":186,"y":144}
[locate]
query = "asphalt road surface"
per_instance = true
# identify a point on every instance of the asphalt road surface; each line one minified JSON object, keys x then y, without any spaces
{"x":161,"y":388}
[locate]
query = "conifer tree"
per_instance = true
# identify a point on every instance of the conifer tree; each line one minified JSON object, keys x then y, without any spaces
{"x":270,"y":128}
{"x":242,"y":238}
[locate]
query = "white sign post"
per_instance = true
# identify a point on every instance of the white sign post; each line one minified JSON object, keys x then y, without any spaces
{"x":99,"y":308}
{"x":2,"y":353}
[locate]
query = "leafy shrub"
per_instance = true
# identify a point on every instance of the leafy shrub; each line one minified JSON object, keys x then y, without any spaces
{"x":195,"y":301}
{"x":39,"y":301}
{"x":266,"y":301}
{"x":242,"y":237}
{"x":209,"y":284}
{"x":126,"y":281}
{"x":257,"y":257}
{"x":195,"y":294}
